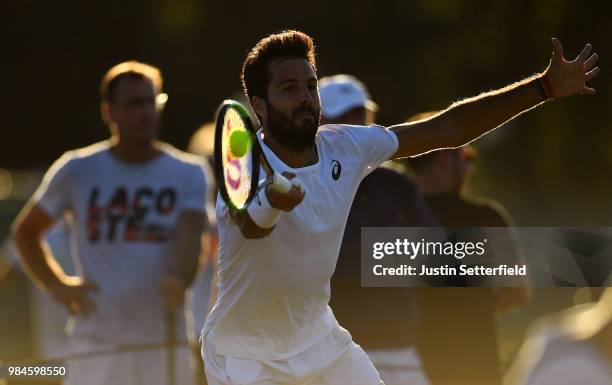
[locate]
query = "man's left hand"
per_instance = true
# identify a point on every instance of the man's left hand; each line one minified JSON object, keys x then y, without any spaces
{"x":565,"y":78}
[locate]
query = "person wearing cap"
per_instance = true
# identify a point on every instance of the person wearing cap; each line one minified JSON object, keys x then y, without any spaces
{"x":345,"y":100}
{"x":471,"y":356}
{"x":385,"y":330}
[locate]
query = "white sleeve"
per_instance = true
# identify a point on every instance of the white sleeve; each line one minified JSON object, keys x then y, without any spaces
{"x":53,"y":194}
{"x":375,"y":144}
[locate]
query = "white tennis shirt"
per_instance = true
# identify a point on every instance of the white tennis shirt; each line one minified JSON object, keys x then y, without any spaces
{"x":274,"y":292}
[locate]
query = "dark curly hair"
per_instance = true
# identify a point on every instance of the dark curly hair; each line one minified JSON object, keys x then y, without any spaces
{"x":286,"y":44}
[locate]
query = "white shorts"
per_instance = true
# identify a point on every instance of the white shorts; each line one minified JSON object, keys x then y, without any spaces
{"x":400,"y":366}
{"x":334,"y":361}
{"x":147,"y":367}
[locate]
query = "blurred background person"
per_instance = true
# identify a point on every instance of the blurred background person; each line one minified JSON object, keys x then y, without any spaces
{"x":568,"y":348}
{"x":458,"y":334}
{"x":138,"y":209}
{"x":203,"y":293}
{"x":382,"y":320}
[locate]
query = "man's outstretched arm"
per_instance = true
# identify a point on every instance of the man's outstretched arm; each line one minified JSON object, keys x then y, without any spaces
{"x":468,"y":119}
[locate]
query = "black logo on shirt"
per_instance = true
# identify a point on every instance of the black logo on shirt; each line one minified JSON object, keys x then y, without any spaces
{"x":124,"y":214}
{"x":336,"y":169}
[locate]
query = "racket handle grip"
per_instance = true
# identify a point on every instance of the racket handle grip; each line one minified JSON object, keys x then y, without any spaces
{"x":280,"y":183}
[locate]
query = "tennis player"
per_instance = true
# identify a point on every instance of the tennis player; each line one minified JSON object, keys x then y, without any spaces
{"x":271,"y":323}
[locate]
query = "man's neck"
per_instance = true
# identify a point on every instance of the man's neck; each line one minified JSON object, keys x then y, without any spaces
{"x":291,"y":158}
{"x":134,"y":152}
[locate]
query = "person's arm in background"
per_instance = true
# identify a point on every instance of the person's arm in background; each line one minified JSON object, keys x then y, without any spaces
{"x":185,"y":263}
{"x":468,"y":119}
{"x":191,"y":224}
{"x":49,"y":203}
{"x":41,"y":266}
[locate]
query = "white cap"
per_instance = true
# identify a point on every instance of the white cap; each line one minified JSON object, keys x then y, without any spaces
{"x":341,"y":93}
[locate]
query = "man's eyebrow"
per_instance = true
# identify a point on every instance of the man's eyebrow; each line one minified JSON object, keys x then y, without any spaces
{"x":289,"y":80}
{"x":295,"y":80}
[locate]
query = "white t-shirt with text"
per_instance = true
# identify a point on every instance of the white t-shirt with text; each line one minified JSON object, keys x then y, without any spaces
{"x":124,"y":218}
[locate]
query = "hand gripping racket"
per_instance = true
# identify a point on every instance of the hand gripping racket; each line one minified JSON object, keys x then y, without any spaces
{"x":238,"y":156}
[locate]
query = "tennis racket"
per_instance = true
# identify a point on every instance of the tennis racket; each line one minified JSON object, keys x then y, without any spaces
{"x":238,"y":157}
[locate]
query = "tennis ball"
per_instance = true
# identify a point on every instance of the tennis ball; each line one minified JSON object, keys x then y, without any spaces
{"x":239,"y":143}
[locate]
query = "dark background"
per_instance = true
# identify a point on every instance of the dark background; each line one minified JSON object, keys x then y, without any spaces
{"x":551,"y":167}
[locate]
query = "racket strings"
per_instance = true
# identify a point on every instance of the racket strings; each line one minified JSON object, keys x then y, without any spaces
{"x":237,"y":170}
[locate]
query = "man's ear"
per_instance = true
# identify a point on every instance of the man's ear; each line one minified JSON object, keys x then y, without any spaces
{"x":105,"y":112}
{"x":260,"y":108}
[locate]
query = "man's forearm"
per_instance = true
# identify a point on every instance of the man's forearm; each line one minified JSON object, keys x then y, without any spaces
{"x":189,"y":266}
{"x":468,"y":119}
{"x":188,"y":246}
{"x":473,"y":117}
{"x":188,"y":261}
{"x":39,"y":264}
